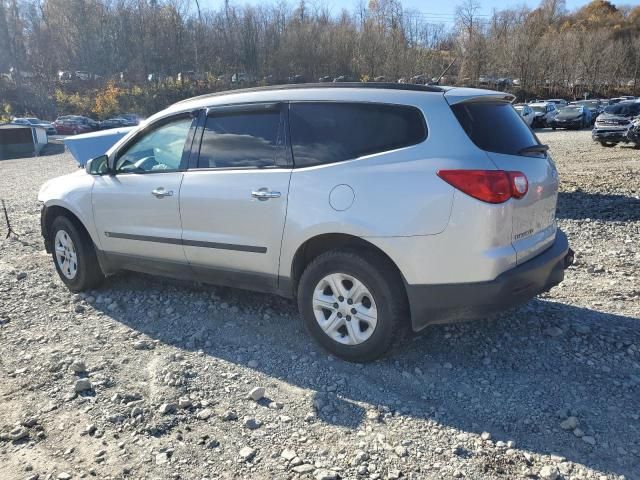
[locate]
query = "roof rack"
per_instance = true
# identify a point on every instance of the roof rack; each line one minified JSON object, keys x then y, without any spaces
{"x":293,"y":86}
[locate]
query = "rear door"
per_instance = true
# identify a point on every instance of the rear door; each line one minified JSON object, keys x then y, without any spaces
{"x":233,"y":199}
{"x":493,"y":125}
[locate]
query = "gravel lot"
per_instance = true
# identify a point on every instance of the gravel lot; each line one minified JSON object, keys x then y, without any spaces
{"x":549,"y":390}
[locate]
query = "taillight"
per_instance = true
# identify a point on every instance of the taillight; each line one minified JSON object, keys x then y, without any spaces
{"x":519,"y":184}
{"x":491,"y":186}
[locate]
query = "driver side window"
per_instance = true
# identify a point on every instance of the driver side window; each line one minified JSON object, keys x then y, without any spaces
{"x":159,"y":150}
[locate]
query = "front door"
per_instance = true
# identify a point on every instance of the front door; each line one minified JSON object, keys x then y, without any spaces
{"x":233,"y":201}
{"x":136,"y":210}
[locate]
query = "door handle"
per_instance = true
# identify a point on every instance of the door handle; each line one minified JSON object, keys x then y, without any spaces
{"x":264,"y":194}
{"x":160,"y":192}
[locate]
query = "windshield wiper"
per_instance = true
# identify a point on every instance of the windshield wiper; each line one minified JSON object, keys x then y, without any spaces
{"x":539,"y":148}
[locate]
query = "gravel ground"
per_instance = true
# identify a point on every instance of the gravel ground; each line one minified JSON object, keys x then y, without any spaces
{"x":151,"y":378}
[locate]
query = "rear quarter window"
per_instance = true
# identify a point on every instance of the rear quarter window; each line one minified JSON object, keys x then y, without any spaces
{"x":494,"y":127}
{"x":327,"y":132}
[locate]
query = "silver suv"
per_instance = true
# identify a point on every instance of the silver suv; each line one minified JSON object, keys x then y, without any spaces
{"x":376,"y":206}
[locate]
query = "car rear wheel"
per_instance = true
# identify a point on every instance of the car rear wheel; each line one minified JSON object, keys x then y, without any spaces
{"x":74,"y":256}
{"x":352,"y":303}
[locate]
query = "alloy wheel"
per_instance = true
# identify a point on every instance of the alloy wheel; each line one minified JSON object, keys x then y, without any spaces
{"x":345,"y":309}
{"x":66,"y":255}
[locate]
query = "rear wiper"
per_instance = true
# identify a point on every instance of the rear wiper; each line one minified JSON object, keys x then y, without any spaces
{"x":539,"y":148}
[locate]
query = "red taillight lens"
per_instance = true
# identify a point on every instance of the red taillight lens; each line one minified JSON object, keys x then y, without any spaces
{"x":491,"y":186}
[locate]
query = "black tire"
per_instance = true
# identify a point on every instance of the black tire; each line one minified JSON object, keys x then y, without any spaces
{"x":386,"y":287}
{"x":89,"y":274}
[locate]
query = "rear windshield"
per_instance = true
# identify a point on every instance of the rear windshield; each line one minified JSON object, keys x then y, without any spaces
{"x":624,"y":109}
{"x":540,"y":109}
{"x":494,"y":127}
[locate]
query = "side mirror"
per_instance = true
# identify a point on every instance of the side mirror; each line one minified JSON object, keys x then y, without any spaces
{"x":98,"y":165}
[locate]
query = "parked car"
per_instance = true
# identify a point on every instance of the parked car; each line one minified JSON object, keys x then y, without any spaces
{"x":241,"y":78}
{"x":596,"y":107}
{"x":234,"y":205}
{"x":89,"y":123}
{"x":82,"y":75}
{"x":114,"y":123}
{"x":559,"y":102}
{"x":486,"y":80}
{"x":326,"y":79}
{"x":296,"y":79}
{"x":70,"y":127}
{"x":525,"y":112}
{"x":132,"y":119}
{"x":344,"y":78}
{"x":572,"y":116}
{"x":611,"y":126}
{"x":36,"y":122}
{"x":543,"y":113}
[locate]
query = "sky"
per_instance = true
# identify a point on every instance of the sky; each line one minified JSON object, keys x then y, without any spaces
{"x":437,"y":10}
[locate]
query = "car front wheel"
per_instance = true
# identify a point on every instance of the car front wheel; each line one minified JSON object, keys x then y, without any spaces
{"x":352,"y":303}
{"x":74,"y":256}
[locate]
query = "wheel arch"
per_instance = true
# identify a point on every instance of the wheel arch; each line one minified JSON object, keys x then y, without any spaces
{"x":50,"y":213}
{"x":319,"y":244}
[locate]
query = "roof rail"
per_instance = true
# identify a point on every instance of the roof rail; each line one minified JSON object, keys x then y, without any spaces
{"x":381,"y":85}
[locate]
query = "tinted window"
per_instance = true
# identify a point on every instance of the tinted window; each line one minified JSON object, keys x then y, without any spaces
{"x":494,"y":127}
{"x":158,"y":150}
{"x":240,"y":139}
{"x":332,"y":132}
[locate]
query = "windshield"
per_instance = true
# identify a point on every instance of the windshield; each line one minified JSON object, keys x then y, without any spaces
{"x":624,"y":109}
{"x":571,"y":110}
{"x":539,"y":109}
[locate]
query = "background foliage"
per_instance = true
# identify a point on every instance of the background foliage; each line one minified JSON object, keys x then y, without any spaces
{"x":550,"y":51}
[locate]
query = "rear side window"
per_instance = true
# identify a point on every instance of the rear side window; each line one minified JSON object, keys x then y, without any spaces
{"x":494,"y":127}
{"x":327,"y":132}
{"x":240,"y":139}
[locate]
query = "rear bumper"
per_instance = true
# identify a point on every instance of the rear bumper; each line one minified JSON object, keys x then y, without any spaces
{"x":466,"y":301}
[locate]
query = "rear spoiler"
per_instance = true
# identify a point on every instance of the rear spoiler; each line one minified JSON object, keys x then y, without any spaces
{"x":474,"y":95}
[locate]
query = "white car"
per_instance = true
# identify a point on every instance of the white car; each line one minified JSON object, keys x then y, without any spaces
{"x":525,"y":112}
{"x":543,"y":113}
{"x":36,"y":122}
{"x":376,"y":206}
